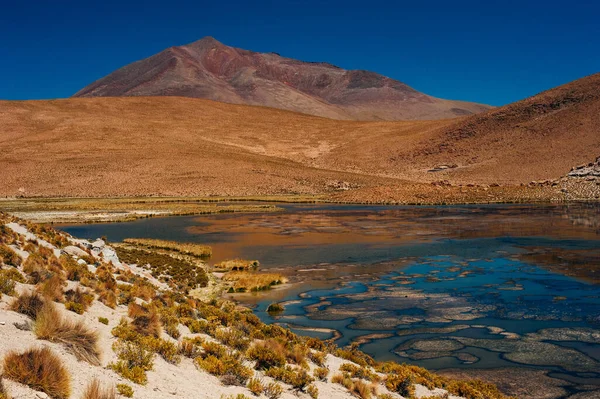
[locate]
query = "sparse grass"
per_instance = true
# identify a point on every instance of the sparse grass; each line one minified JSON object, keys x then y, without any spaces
{"x":343,"y":379}
{"x":74,"y":271}
{"x":197,"y":250}
{"x":190,"y":347}
{"x":312,"y":391}
{"x":133,"y":361}
{"x":219,"y":360}
{"x":273,"y":390}
{"x":180,"y":274}
{"x":244,"y":281}
{"x":317,"y":357}
{"x":321,"y":373}
{"x":297,"y":378}
{"x":95,"y":391}
{"x":125,"y":390}
{"x":145,"y":321}
{"x":7,"y":285}
{"x":401,"y":383}
{"x":8,"y":256}
{"x":359,"y":372}
{"x":354,"y":354}
{"x":363,"y":390}
{"x":28,"y":303}
{"x":233,"y":338}
{"x":255,"y":385}
{"x":52,"y":288}
{"x":40,"y":369}
{"x":78,"y":301}
{"x":13,"y":274}
{"x":79,"y":339}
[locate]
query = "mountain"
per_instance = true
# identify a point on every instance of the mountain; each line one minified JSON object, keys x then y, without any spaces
{"x":211,"y":70}
{"x":176,"y":146}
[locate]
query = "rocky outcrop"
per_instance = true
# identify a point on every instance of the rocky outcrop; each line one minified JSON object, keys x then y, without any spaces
{"x":591,"y":170}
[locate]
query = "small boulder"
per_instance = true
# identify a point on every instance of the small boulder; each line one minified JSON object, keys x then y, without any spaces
{"x":74,"y":251}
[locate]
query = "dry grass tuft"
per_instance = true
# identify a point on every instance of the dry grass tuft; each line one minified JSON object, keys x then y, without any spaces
{"x":363,"y":390}
{"x":28,"y":303}
{"x":8,"y":256}
{"x":95,"y":391}
{"x":51,"y":325}
{"x":145,"y":321}
{"x":40,"y":369}
{"x":52,"y":288}
{"x":267,"y":354}
{"x":78,"y":300}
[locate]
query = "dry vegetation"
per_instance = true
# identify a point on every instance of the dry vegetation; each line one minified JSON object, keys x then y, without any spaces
{"x":179,"y":272}
{"x":242,"y":281}
{"x":94,"y":390}
{"x":237,"y":265}
{"x":76,"y":336}
{"x":197,"y":250}
{"x":40,"y":369}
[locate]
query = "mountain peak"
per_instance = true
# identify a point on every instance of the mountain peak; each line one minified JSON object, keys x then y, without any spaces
{"x":212,"y":70}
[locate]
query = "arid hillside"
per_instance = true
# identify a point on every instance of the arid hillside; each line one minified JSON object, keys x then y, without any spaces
{"x":182,"y":146}
{"x":211,"y":70}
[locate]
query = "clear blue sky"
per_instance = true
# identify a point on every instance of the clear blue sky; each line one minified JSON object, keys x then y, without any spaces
{"x":485,"y":51}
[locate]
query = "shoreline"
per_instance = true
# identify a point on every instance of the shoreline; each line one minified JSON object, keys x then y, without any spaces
{"x":122,"y":209}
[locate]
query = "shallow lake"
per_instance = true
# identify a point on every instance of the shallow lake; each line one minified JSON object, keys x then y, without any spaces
{"x":452,"y":287}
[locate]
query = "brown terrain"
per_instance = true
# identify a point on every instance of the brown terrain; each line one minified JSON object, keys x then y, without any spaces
{"x":211,"y":70}
{"x":175,"y":146}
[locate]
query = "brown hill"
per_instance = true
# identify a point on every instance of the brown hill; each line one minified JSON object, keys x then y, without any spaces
{"x":211,"y":70}
{"x":183,"y":146}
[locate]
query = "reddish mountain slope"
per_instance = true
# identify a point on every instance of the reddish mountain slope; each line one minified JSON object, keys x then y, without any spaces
{"x":211,"y":70}
{"x":538,"y":138}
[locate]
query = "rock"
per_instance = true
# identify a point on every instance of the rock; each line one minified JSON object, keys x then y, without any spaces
{"x":74,"y":251}
{"x":98,"y":245}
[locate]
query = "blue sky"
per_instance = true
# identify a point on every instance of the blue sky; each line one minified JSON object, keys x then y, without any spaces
{"x":488,"y":52}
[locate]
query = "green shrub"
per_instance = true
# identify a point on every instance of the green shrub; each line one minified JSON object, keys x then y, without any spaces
{"x":320,"y":373}
{"x":273,"y":390}
{"x":359,"y":372}
{"x":103,"y":320}
{"x":233,"y":338}
{"x":133,"y":362}
{"x":255,"y":386}
{"x":297,"y":378}
{"x":125,"y":390}
{"x":313,"y":391}
{"x":316,"y":357}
